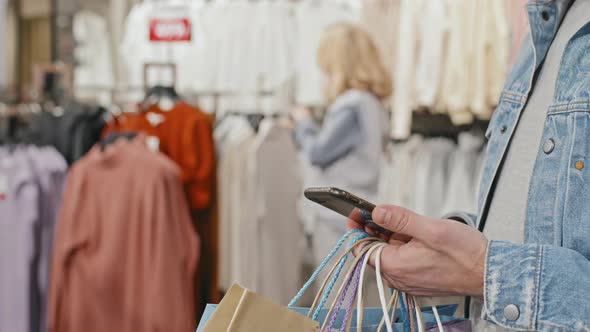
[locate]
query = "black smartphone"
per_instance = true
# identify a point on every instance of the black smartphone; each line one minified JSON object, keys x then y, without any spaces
{"x":346,"y":204}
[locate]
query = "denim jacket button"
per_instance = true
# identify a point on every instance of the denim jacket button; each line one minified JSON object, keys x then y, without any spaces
{"x":549,"y":146}
{"x":579,"y":165}
{"x":511,"y":312}
{"x":545,"y":15}
{"x":503,"y":129}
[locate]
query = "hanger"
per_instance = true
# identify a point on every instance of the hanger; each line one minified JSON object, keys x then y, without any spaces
{"x":166,"y":96}
{"x":113,"y":137}
{"x":160,"y":91}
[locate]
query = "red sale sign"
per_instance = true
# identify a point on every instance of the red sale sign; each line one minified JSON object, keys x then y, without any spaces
{"x":170,"y":29}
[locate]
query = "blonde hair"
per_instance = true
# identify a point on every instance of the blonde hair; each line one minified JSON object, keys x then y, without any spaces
{"x":349,"y":58}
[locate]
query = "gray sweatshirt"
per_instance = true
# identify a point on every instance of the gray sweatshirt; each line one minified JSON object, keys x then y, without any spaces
{"x":346,"y":150}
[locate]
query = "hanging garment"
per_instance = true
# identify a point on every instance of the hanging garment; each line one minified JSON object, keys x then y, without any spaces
{"x":492,"y":48}
{"x":312,"y":18}
{"x":52,"y":170}
{"x":259,"y":186}
{"x":72,"y":132}
{"x":458,"y":63}
{"x":477,"y":58}
{"x":243,"y":267}
{"x":463,"y":175}
{"x":398,"y":173}
{"x":404,"y":98}
{"x":309,"y":174}
{"x":432,"y":169}
{"x":519,"y":23}
{"x":258,"y":58}
{"x":94,"y":65}
{"x":233,"y":136}
{"x":185,"y":136}
{"x":380,"y":18}
{"x":207,"y":277}
{"x":176,"y":26}
{"x":276,"y":233}
{"x":240,"y":48}
{"x":3,"y":35}
{"x":124,"y":259}
{"x":10,"y":45}
{"x":31,"y":182}
{"x":387,"y":181}
{"x":432,"y":33}
{"x":277,"y":60}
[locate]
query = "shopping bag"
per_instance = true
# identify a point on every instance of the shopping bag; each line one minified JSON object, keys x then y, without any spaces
{"x":372,"y":317}
{"x":412,"y":317}
{"x":457,"y":325}
{"x":242,"y":310}
{"x":340,"y":315}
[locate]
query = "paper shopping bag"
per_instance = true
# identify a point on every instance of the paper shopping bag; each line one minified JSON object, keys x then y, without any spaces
{"x":242,"y":310}
{"x":372,"y":317}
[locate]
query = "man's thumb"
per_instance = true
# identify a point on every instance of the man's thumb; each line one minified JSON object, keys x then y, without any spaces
{"x":403,"y":221}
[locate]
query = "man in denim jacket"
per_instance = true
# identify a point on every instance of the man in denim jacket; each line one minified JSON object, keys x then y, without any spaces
{"x":524,"y":259}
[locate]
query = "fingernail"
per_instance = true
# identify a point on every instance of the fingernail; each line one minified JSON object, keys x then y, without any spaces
{"x":382,"y":216}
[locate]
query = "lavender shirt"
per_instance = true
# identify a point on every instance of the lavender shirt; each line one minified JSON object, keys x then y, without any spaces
{"x":29,"y":183}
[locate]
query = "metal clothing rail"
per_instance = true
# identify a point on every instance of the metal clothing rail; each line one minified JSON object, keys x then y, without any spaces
{"x":193,"y":94}
{"x":201,"y":93}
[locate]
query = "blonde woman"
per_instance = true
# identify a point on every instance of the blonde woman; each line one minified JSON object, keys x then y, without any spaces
{"x":345,"y":150}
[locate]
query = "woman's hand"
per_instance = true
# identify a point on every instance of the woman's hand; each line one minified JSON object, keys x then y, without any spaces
{"x":430,"y":257}
{"x":300,"y":113}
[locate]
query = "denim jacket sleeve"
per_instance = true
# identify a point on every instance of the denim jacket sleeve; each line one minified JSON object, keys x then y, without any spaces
{"x":549,"y":286}
{"x":531,"y":287}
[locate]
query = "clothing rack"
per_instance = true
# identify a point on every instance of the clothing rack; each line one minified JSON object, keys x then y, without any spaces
{"x":247,"y":113}
{"x":431,"y":125}
{"x":192,"y":95}
{"x":12,"y":109}
{"x":254,"y":118}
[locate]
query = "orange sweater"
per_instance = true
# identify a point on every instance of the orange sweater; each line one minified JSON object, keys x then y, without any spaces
{"x":125,"y":252}
{"x":186,"y":136}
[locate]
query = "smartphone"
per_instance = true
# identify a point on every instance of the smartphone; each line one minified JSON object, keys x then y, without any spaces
{"x":346,"y":204}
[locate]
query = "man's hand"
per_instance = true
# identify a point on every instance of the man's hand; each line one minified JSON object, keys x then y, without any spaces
{"x":429,"y":257}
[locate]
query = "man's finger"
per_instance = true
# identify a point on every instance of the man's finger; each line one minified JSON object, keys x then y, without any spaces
{"x":388,"y":255}
{"x":406,"y":222}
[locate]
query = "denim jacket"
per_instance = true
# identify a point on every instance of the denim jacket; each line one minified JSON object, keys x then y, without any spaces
{"x":544,"y":284}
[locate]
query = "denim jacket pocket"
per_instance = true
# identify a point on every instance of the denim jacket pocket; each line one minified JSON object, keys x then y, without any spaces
{"x":567,"y":129}
{"x":549,"y":284}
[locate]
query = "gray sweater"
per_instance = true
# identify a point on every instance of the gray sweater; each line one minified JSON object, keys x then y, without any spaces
{"x":346,"y":150}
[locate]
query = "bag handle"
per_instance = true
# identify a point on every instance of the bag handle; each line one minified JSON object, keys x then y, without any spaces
{"x":358,"y":234}
{"x":388,"y":324}
{"x":392,"y":306}
{"x":412,"y":301}
{"x":437,"y":318}
{"x":360,"y":297}
{"x":352,"y":279}
{"x":411,"y":311}
{"x":420,"y":318}
{"x":356,"y":277}
{"x":348,"y":275}
{"x":338,"y":266}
